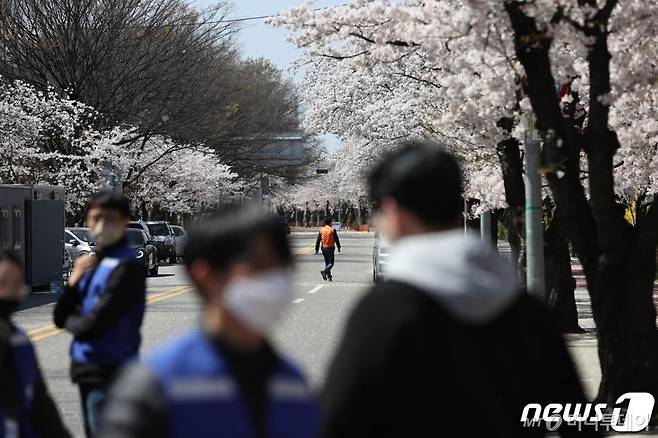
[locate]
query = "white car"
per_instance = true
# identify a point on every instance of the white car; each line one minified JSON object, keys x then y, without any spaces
{"x":181,"y":236}
{"x":78,"y":241}
{"x":379,"y":259}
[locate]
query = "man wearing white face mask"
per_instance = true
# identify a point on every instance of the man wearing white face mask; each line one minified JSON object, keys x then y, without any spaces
{"x":103,"y":306}
{"x":223,"y":379}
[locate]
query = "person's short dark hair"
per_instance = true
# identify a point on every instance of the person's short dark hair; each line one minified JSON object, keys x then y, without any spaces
{"x":328,"y":221}
{"x":11,"y":257}
{"x":423,"y":178}
{"x":231,"y":236}
{"x":110,"y":200}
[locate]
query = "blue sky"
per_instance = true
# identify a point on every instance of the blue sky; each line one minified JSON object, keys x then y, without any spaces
{"x":259,"y":40}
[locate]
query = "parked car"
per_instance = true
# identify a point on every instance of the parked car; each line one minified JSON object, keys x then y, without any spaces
{"x":162,"y":235}
{"x":379,"y":259}
{"x":145,"y":250}
{"x":78,"y":241}
{"x":67,"y":266}
{"x":180,"y":235}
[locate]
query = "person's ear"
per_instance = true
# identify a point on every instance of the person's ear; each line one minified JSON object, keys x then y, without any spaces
{"x":209,"y":281}
{"x":390,"y":220}
{"x":199,"y":271}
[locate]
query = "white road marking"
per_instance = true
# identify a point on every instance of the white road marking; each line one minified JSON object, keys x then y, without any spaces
{"x":298,"y":300}
{"x":316,"y":289}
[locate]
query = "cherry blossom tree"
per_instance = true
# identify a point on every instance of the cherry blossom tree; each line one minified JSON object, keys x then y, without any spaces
{"x":587,"y":70}
{"x":46,"y":139}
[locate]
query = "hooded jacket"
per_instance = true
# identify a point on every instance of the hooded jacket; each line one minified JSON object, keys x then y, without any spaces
{"x":448,"y":345}
{"x":464,"y":275}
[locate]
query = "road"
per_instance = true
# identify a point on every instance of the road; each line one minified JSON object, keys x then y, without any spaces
{"x":309,"y":331}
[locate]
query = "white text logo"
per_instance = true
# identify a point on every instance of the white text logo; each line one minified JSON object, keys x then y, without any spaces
{"x":633,"y":418}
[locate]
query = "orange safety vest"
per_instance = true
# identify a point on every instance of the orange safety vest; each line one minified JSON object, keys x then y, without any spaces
{"x":327,"y":237}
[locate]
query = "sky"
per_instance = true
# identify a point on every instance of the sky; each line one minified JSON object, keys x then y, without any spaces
{"x":259,"y":40}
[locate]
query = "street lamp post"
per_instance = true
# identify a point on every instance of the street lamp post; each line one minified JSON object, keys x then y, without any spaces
{"x":534,"y":224}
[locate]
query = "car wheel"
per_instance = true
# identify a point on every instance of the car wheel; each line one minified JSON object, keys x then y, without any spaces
{"x":154,"y":271}
{"x":173,"y":259}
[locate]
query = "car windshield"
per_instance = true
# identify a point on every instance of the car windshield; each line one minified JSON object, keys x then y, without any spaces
{"x":82,"y":234}
{"x":135,"y":237}
{"x":158,"y":229}
{"x":134,"y":225}
{"x":177,"y":231}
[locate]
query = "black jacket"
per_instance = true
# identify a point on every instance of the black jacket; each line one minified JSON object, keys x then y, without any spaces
{"x":44,"y":417}
{"x":124,"y":290}
{"x":408,"y":368}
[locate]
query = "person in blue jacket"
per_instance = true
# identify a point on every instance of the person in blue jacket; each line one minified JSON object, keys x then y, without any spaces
{"x":224,"y":379}
{"x":26,"y":408}
{"x":103,"y":305}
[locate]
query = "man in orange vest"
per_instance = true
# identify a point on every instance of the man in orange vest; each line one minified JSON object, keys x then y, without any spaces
{"x":328,"y":237}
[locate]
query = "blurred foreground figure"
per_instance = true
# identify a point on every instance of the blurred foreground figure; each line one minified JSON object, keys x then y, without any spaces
{"x":223,"y":379}
{"x":448,"y":345}
{"x":26,"y":408}
{"x":103,"y":306}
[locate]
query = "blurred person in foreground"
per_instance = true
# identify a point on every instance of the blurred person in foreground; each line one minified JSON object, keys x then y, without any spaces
{"x":224,"y":378}
{"x":448,"y":345}
{"x":26,"y":408}
{"x":103,"y":305}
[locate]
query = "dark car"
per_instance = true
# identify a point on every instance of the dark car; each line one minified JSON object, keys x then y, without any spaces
{"x":145,"y":250}
{"x":162,"y":235}
{"x":165,"y":240}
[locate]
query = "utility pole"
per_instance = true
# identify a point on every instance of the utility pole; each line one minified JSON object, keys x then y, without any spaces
{"x":534,"y":220}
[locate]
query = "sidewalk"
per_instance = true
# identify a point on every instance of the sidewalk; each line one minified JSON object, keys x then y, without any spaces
{"x":583,"y":346}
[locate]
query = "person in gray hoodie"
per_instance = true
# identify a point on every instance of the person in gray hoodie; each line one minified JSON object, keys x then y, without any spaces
{"x":450,"y":344}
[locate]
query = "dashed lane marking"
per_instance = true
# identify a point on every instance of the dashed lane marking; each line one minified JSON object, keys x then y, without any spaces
{"x":298,"y":300}
{"x":316,"y":289}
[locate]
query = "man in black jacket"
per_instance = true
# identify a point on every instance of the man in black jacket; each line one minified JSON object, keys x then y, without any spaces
{"x":103,"y":306}
{"x":448,"y":345}
{"x":26,"y":408}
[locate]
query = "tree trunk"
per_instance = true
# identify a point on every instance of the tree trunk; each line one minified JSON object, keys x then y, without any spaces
{"x":509,"y":156}
{"x":618,"y":262}
{"x":625,"y":314}
{"x":515,"y":240}
{"x":560,"y":284}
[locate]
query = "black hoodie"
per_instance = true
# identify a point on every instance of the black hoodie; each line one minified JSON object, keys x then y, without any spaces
{"x":447,"y":346}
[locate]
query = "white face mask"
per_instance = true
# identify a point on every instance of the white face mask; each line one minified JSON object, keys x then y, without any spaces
{"x":258,"y":301}
{"x":105,"y":235}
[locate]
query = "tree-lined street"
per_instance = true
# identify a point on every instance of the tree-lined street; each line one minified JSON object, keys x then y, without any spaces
{"x":309,"y":332}
{"x":527,"y":125}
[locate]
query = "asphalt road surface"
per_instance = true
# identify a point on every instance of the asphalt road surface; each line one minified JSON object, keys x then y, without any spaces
{"x":309,"y":331}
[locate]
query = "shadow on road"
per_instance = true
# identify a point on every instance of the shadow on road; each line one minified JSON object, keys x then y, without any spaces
{"x":38,"y":299}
